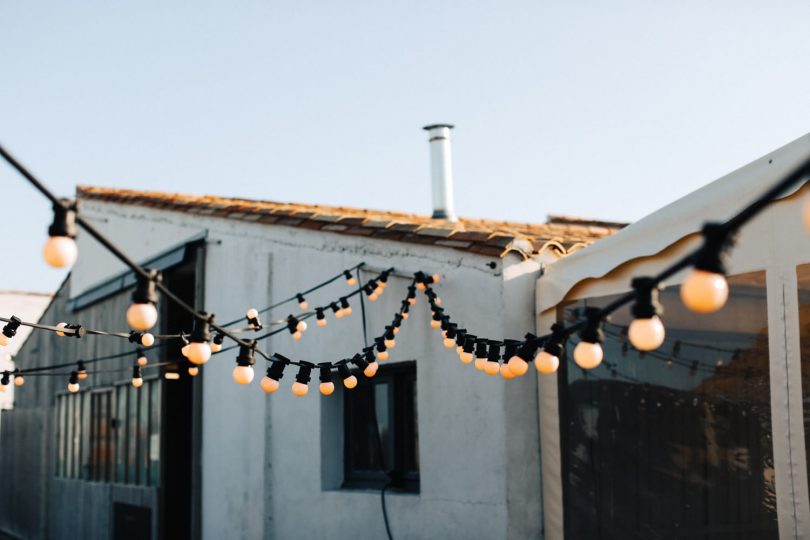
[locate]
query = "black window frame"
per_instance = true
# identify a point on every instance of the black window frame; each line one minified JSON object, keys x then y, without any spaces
{"x":403,"y":419}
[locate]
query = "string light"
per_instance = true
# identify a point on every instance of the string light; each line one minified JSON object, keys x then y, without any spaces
{"x":60,"y":249}
{"x":171,"y":376}
{"x":411,"y":299}
{"x":466,"y":355}
{"x":588,"y":352}
{"x":389,"y":340}
{"x":143,"y":338}
{"x":60,"y":329}
{"x":327,"y":387}
{"x":137,"y":378}
{"x":81,"y":370}
{"x":492,"y":366}
{"x":19,"y":380}
{"x":216,"y":343}
{"x":142,"y":359}
{"x":480,"y":354}
{"x":243,"y":372}
{"x":73,"y":382}
{"x":184,"y":348}
{"x":344,"y":304}
{"x":350,"y":278}
{"x":4,"y":381}
{"x":517,"y":359}
{"x":302,"y":302}
{"x":705,"y":290}
{"x":320,"y":317}
{"x":9,"y":330}
{"x":142,"y":314}
{"x":270,"y":382}
{"x":253,"y":319}
{"x":199,"y":351}
{"x":382,"y":352}
{"x":296,"y":327}
{"x":349,"y":380}
{"x":193,"y":370}
{"x":646,"y":331}
{"x":336,"y":310}
{"x":367,"y":363}
{"x":450,"y":336}
{"x":300,"y":387}
{"x":436,"y":321}
{"x":548,"y":359}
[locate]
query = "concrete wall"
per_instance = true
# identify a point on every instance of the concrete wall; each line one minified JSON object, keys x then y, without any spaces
{"x":263,"y":457}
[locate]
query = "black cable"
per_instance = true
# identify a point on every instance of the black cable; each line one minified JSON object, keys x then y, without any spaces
{"x":362,"y":309}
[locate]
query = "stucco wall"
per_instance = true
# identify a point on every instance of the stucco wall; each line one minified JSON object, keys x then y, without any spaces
{"x":262,"y":456}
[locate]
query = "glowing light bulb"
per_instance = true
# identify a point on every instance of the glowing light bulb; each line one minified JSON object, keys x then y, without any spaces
{"x":646,"y":334}
{"x":444,"y":333}
{"x":243,"y":374}
{"x":350,"y":382}
{"x":351,"y":281}
{"x":142,"y":361}
{"x":412,"y":301}
{"x":518,"y":366}
{"x":73,"y":387}
{"x":198,"y":353}
{"x":404,"y":316}
{"x":506,"y":373}
{"x":3,"y":387}
{"x":373,"y":296}
{"x":371,"y":369}
{"x":60,"y":329}
{"x":321,"y":323}
{"x":269,"y":385}
{"x":339,"y":314}
{"x":704,"y":292}
{"x":193,"y":371}
{"x":396,"y":330}
{"x":492,"y":368}
{"x":449,"y":342}
{"x":4,"y":340}
{"x":347,"y":311}
{"x":171,"y":375}
{"x":480,"y":363}
{"x":137,"y":382}
{"x":378,"y":291}
{"x":82,"y":375}
{"x":60,"y":251}
{"x":215,"y":347}
{"x":588,"y":355}
{"x":142,"y":316}
{"x":390,"y":343}
{"x":465,"y":357}
{"x":148,"y":340}
{"x":252,"y":313}
{"x":420,"y":286}
{"x":19,"y":380}
{"x":435,"y":324}
{"x":297,"y":335}
{"x":303,"y":305}
{"x":300,"y":389}
{"x":326,"y":388}
{"x":546,"y":363}
{"x":436,"y":278}
{"x":301,"y":326}
{"x":382,"y":356}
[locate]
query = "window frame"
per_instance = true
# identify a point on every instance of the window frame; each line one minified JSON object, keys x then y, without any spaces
{"x":403,"y":421}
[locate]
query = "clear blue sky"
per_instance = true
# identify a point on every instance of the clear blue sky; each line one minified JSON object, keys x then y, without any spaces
{"x":600,"y":109}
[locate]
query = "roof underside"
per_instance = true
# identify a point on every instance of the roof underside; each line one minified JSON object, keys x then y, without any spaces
{"x":485,"y":237}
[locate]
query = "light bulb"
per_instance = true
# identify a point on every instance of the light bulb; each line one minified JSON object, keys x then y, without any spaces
{"x":404,"y":315}
{"x":588,"y":355}
{"x":142,"y":361}
{"x":301,"y":326}
{"x":546,"y":363}
{"x":82,"y":375}
{"x":303,"y":305}
{"x":396,"y":330}
{"x":704,"y":292}
{"x":243,"y":374}
{"x":4,"y":340}
{"x":73,"y":387}
{"x":480,"y":363}
{"x":252,"y":313}
{"x":270,"y":385}
{"x":215,"y":347}
{"x":506,"y":372}
{"x":3,"y":387}
{"x":300,"y":389}
{"x":371,"y":369}
{"x":19,"y":380}
{"x":459,"y":349}
{"x":466,"y":357}
{"x":350,"y":382}
{"x":198,"y":353}
{"x":142,"y":316}
{"x":383,"y":285}
{"x":60,"y":251}
{"x":351,"y":281}
{"x":444,"y":333}
{"x":492,"y":368}
{"x":171,"y":375}
{"x":390,"y":343}
{"x":378,"y":291}
{"x":193,"y":371}
{"x":347,"y":311}
{"x":373,"y":296}
{"x":435,"y":324}
{"x":321,"y":322}
{"x":326,"y":388}
{"x":339,"y":314}
{"x":436,"y":278}
{"x":646,"y":334}
{"x":412,"y":301}
{"x":147,"y":340}
{"x":449,"y":342}
{"x":137,"y":382}
{"x":60,"y":327}
{"x":518,"y":366}
{"x":297,"y":335}
{"x":420,"y":286}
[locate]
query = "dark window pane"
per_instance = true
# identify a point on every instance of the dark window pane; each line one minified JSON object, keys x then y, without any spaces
{"x":121,"y":434}
{"x":675,"y":443}
{"x":154,"y":433}
{"x":132,"y":435}
{"x":143,"y":434}
{"x":61,"y":419}
{"x":803,"y":278}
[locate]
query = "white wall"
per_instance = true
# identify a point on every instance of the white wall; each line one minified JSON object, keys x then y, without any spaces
{"x":262,"y":455}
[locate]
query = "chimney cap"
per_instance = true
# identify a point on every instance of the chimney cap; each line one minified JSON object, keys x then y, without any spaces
{"x":434,"y":126}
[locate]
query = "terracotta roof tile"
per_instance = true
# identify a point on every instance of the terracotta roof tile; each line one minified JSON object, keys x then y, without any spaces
{"x":486,"y":237}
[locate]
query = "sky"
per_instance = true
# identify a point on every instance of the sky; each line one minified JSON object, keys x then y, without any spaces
{"x":605,"y":110}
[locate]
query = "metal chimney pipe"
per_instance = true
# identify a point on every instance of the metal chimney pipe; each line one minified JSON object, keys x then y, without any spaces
{"x":441,"y":167}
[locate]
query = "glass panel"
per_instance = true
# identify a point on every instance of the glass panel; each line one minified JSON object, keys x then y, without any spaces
{"x":154,"y":433}
{"x":132,"y":435}
{"x":384,"y":411}
{"x":143,"y":434}
{"x":77,"y":434}
{"x":85,"y":442}
{"x":803,"y":279}
{"x":60,"y":429}
{"x":121,"y":434}
{"x":69,"y":436}
{"x":363,"y":443}
{"x":675,"y":443}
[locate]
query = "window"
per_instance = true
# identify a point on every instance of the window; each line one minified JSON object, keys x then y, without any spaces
{"x":110,"y":435}
{"x":803,"y":280}
{"x":675,"y":443}
{"x":381,"y":435}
